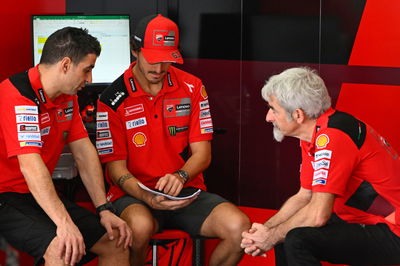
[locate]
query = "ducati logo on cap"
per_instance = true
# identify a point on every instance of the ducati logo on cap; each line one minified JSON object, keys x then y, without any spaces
{"x":164,"y":38}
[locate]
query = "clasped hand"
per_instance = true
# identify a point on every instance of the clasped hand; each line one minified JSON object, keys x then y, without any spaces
{"x":257,"y":240}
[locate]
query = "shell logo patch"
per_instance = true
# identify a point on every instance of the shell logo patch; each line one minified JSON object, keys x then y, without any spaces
{"x":322,"y":141}
{"x":203,"y":92}
{"x":139,"y":139}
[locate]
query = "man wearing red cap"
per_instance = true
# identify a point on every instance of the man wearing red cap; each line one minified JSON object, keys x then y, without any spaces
{"x":154,"y":126}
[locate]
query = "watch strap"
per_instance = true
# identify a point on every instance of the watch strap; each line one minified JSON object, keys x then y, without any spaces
{"x":183,"y":174}
{"x":106,"y":206}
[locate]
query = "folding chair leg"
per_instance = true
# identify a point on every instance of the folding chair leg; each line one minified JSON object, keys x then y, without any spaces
{"x":155,"y":255}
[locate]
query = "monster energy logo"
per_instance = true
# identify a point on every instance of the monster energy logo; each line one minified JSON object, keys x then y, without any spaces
{"x":174,"y":129}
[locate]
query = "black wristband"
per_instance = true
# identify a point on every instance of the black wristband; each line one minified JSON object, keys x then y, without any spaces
{"x":106,"y":206}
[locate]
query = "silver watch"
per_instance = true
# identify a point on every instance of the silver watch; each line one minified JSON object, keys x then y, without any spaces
{"x":183,"y":174}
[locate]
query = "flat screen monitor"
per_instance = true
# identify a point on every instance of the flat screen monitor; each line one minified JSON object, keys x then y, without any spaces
{"x":112,"y":31}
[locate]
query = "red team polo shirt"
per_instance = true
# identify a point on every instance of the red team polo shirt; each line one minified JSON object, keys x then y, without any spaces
{"x":31,"y":123}
{"x":152,"y":133}
{"x":350,"y":159}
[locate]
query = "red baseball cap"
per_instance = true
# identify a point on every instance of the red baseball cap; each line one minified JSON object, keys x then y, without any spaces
{"x":158,"y":38}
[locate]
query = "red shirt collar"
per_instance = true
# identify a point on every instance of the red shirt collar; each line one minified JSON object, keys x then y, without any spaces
{"x":321,"y":123}
{"x":34,"y":77}
{"x":134,"y":89}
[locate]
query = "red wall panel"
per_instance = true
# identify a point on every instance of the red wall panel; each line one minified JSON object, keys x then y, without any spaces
{"x":15,"y":32}
{"x":377,"y":42}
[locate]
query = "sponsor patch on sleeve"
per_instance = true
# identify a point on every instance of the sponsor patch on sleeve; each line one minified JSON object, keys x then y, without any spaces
{"x":204,"y":123}
{"x":27,"y":118}
{"x":322,"y":164}
{"x":105,"y":151}
{"x":320,"y":181}
{"x":29,"y":136}
{"x":101,"y":144}
{"x":323,"y":154}
{"x":322,"y":141}
{"x":207,"y":130}
{"x":28,"y":127}
{"x":103,"y":134}
{"x":205,"y":113}
{"x":26,"y":109}
{"x":322,"y":173}
{"x":102,"y":125}
{"x":204,"y":105}
{"x":101,"y":116}
{"x":30,"y":143}
{"x":203,"y":92}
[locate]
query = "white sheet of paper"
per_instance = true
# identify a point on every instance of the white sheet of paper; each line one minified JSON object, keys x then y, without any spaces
{"x":197,"y":192}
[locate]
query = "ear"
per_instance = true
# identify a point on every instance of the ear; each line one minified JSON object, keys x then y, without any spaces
{"x":299,"y":116}
{"x":65,"y":64}
{"x":135,"y":54}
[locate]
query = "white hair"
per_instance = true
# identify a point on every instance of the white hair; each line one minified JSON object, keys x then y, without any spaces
{"x":298,"y":88}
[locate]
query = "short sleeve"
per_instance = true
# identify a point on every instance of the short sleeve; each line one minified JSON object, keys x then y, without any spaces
{"x":201,"y":125}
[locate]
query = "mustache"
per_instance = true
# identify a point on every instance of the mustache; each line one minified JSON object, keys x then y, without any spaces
{"x":157,"y":73}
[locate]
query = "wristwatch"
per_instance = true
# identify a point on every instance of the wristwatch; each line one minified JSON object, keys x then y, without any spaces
{"x":183,"y":174}
{"x":106,"y":206}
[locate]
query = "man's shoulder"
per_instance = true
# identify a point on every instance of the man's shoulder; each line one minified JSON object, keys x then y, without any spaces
{"x":18,"y":87}
{"x":348,"y":125}
{"x":115,"y":94}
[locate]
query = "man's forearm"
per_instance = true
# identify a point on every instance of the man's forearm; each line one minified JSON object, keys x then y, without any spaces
{"x":314,"y":214}
{"x":199,"y":160}
{"x":289,"y":208}
{"x":90,"y":171}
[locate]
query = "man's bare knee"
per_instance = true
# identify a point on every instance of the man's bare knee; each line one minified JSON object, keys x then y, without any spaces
{"x":51,"y":255}
{"x":105,"y":247}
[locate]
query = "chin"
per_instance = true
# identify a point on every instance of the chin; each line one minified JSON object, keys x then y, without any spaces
{"x":278,"y":135}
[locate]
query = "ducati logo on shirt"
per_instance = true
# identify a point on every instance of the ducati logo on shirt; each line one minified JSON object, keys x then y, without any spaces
{"x":65,"y":111}
{"x":177,"y":107}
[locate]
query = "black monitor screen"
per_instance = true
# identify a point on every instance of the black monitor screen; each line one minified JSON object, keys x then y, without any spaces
{"x":111,"y":31}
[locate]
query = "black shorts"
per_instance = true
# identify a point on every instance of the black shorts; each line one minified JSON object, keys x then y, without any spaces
{"x":25,"y":225}
{"x":188,"y":219}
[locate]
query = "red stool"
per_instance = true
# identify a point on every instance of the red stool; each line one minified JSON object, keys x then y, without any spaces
{"x":167,"y":236}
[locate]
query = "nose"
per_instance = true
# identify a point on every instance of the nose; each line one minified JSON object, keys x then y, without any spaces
{"x":158,"y":67}
{"x":269,"y":117}
{"x":89,"y":78}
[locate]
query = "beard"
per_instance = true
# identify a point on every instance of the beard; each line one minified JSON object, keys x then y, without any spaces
{"x":278,"y":135}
